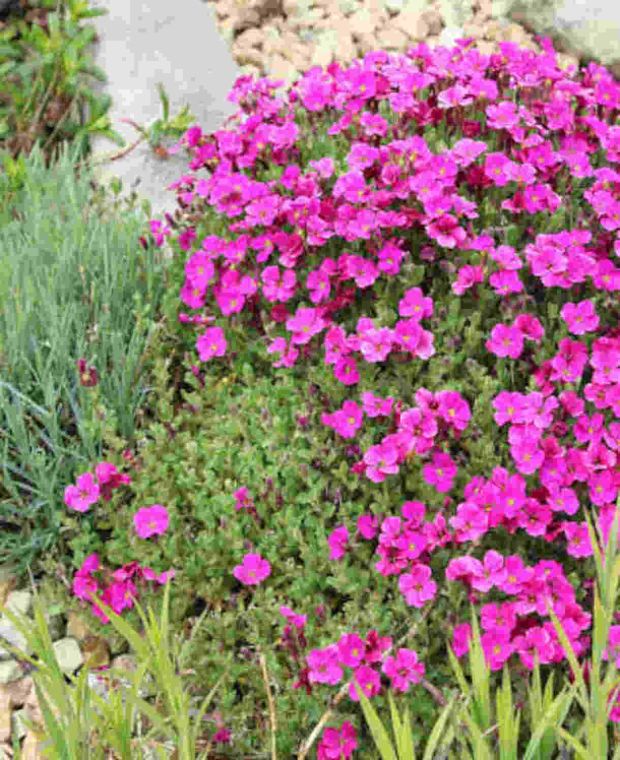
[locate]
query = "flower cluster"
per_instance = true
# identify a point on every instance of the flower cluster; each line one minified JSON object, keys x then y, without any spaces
{"x":367,"y":659}
{"x":89,"y":487}
{"x":337,"y":743}
{"x":117,"y":590}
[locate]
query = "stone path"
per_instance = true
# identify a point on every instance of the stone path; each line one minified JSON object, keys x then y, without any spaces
{"x":146,"y":42}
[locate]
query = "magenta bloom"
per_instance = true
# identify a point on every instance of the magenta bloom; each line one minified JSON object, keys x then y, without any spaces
{"x":368,"y":680}
{"x":417,"y":587}
{"x":441,"y":472}
{"x":294,"y":618}
{"x":81,"y":496}
{"x":324,"y":666}
{"x":337,"y":744}
{"x":351,"y":650}
{"x":403,"y":669}
{"x":505,"y":341}
{"x":461,"y":636}
{"x":211,"y":343}
{"x":151,"y":521}
{"x":253,"y":570}
{"x":497,"y":648}
{"x":84,"y":584}
{"x":580,"y":318}
{"x":304,"y":324}
{"x":345,"y":421}
{"x":338,"y":541}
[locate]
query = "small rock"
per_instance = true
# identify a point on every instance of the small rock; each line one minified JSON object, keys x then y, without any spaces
{"x":394,"y":6}
{"x":77,"y":628}
{"x":295,"y":7}
{"x":433,"y":21}
{"x":31,"y":749}
{"x":19,"y":723}
{"x":7,"y":584}
{"x":5,"y":718}
{"x":348,"y":6}
{"x":18,"y":693}
{"x":485,"y":47}
{"x":279,"y":68}
{"x":412,"y":23}
{"x":68,"y":655}
{"x":96,"y":652}
{"x":250,"y":38}
{"x":56,"y":625}
{"x":9,"y":671}
{"x":325,"y":48}
{"x":450,"y":35}
{"x":393,"y":39}
{"x":19,"y":602}
{"x":225,"y":8}
{"x":253,"y":71}
{"x":248,"y":55}
{"x":363,"y":22}
{"x":125,"y":662}
{"x":10,"y":634}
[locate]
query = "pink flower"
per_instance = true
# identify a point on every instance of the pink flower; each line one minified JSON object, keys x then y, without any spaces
{"x":211,"y":343}
{"x":151,"y":521}
{"x":337,"y":744}
{"x":505,"y":341}
{"x":417,"y":586}
{"x":299,"y":621}
{"x":367,"y":526}
{"x":304,"y":324}
{"x":580,"y":318}
{"x":324,"y":665}
{"x":497,"y":648}
{"x":84,"y":584}
{"x":454,"y":409}
{"x":441,"y":472}
{"x":381,"y":460}
{"x":346,"y":421}
{"x":351,"y":649}
{"x":367,"y":680}
{"x":530,"y":326}
{"x":374,"y":406}
{"x":338,"y":541}
{"x":81,"y":496}
{"x":253,"y":570}
{"x":612,"y":652}
{"x":461,"y":636}
{"x":345,"y":371}
{"x":415,"y":304}
{"x":242,"y":498}
{"x":578,"y":538}
{"x":403,"y":669}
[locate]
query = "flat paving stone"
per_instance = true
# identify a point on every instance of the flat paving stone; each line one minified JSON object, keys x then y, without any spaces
{"x":145,"y":42}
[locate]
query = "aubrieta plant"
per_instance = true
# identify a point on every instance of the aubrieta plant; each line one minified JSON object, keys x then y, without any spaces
{"x":432,"y":240}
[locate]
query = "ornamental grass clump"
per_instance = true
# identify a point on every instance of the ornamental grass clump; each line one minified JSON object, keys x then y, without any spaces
{"x":424,"y":250}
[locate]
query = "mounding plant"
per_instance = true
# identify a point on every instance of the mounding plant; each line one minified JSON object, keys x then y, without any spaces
{"x":392,"y":391}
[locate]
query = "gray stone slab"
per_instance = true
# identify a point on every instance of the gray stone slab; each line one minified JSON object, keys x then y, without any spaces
{"x":145,"y":42}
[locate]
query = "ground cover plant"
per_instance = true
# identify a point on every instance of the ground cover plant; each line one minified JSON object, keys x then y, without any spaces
{"x":47,"y":73}
{"x":77,"y":310}
{"x":398,"y":314}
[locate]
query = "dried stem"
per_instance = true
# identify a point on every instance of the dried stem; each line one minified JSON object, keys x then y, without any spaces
{"x":272,"y":708}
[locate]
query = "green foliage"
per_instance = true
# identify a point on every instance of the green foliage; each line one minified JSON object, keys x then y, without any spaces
{"x":47,"y":71}
{"x":74,"y":283}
